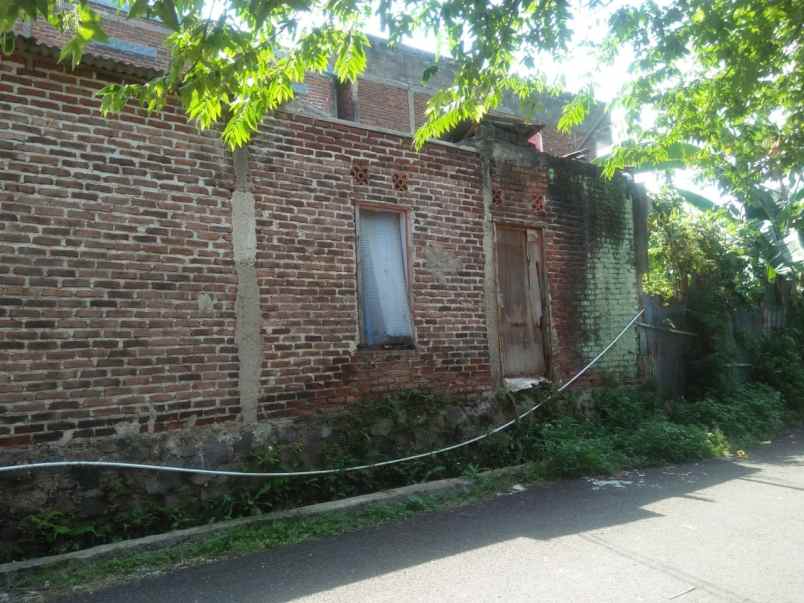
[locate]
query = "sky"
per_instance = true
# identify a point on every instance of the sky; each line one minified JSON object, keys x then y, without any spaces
{"x":580,"y":68}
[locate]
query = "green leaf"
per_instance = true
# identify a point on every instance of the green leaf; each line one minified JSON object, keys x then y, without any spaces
{"x":167,"y":13}
{"x":138,"y":9}
{"x":428,"y":73}
{"x":575,"y":112}
{"x":7,"y":42}
{"x":697,"y":200}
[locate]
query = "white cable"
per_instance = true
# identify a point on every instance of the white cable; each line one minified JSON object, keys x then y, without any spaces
{"x":499,"y":428}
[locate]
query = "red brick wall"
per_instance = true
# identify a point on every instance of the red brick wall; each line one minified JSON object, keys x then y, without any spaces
{"x":117,"y":283}
{"x":559,"y":144}
{"x":305,"y":200}
{"x":575,"y":218}
{"x":111,"y":231}
{"x":383,"y":105}
{"x":317,"y":96}
{"x":147,"y":33}
{"x":420,"y":106}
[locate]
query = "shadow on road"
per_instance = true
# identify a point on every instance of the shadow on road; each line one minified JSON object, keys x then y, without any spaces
{"x":542,"y":512}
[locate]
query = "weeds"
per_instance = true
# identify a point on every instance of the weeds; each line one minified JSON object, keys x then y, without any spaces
{"x":81,"y":576}
{"x":626,"y":428}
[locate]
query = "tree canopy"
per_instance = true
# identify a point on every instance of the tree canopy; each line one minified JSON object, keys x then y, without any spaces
{"x":717,"y":85}
{"x":722,"y":85}
{"x":232,"y":61}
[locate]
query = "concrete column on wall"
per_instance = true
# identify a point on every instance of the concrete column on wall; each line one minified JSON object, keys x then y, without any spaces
{"x":248,"y":330}
{"x":412,"y":110}
{"x":489,"y":259}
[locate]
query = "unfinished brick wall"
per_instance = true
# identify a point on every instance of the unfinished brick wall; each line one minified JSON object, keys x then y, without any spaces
{"x":305,"y":203}
{"x":383,"y":105}
{"x":588,"y":254}
{"x":316,"y":96}
{"x":136,"y":42}
{"x":116,"y":310}
{"x":116,"y":281}
{"x":420,"y":108}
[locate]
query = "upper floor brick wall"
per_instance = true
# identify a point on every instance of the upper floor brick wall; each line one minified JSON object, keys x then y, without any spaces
{"x":135,"y":42}
{"x":390,"y":95}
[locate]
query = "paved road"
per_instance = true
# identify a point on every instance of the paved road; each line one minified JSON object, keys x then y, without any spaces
{"x":715,"y":531}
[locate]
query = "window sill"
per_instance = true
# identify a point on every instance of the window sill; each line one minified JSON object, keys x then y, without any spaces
{"x":385,"y":347}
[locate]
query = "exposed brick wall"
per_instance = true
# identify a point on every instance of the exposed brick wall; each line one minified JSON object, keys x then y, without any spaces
{"x":559,"y":144}
{"x":420,"y":106}
{"x":588,"y":254}
{"x":117,"y":283}
{"x":305,"y":204}
{"x":383,"y":105}
{"x":316,"y":96}
{"x":116,"y":280}
{"x":138,"y":31}
{"x":609,"y":295}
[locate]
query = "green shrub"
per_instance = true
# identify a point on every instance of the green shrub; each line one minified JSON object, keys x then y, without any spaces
{"x":658,"y":441}
{"x":626,"y":428}
{"x":748,"y":413}
{"x":572,"y":448}
{"x":777,"y":361}
{"x":622,"y":408}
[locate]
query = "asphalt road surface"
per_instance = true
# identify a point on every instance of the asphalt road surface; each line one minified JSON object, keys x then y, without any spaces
{"x":713,"y":531}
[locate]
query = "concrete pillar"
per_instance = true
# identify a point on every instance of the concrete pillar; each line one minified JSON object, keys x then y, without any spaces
{"x":485,"y":147}
{"x":248,"y":330}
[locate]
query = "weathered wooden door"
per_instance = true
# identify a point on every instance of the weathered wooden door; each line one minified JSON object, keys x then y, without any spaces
{"x":519,"y":301}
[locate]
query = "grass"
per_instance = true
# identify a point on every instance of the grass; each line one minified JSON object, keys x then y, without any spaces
{"x":86,"y":576}
{"x":628,"y":429}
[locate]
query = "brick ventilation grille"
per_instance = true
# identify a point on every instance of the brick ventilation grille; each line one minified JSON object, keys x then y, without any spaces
{"x":400,"y":181}
{"x":538,"y":201}
{"x":360,"y":174}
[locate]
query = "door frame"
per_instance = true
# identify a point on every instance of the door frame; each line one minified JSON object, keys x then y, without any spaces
{"x":546,"y":328}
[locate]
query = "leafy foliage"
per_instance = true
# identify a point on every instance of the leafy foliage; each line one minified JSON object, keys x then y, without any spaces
{"x":722,"y":75}
{"x":713,"y":249}
{"x":719,"y":86}
{"x":233,"y":61}
{"x":625,"y":428}
{"x":778,"y":361}
{"x":749,"y":413}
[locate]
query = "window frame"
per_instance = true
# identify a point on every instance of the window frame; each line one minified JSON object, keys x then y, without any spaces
{"x":406,"y":220}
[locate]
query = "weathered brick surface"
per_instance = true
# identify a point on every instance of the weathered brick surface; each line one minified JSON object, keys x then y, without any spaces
{"x":588,"y":254}
{"x":420,"y":107}
{"x":116,"y":281}
{"x":383,"y":105}
{"x":305,"y":203}
{"x":316,"y":96}
{"x":149,"y":34}
{"x":383,"y":97}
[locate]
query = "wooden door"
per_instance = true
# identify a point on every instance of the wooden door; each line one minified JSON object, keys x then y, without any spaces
{"x":519,"y":300}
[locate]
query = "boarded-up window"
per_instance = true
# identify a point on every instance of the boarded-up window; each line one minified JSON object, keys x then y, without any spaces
{"x":384,"y":304}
